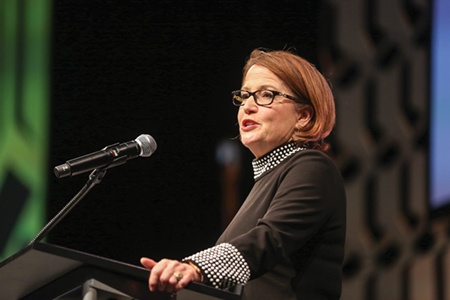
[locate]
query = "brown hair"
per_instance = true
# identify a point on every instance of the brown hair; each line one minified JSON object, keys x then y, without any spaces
{"x":309,"y":87}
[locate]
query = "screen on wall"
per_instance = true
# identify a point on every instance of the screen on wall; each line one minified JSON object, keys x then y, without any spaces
{"x":439,"y":162}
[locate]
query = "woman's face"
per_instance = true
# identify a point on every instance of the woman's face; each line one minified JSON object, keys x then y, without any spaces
{"x":263,"y":128}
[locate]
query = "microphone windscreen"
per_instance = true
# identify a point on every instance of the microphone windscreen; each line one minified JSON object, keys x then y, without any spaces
{"x":147,"y":143}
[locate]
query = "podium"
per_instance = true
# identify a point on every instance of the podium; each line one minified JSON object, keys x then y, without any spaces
{"x":43,"y":271}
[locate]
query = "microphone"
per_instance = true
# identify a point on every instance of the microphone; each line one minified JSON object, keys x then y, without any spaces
{"x":110,"y":156}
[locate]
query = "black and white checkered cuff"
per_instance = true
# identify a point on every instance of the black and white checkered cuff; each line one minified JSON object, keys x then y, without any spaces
{"x":222,"y":265}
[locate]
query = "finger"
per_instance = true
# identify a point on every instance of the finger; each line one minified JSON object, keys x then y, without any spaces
{"x":183,"y":283}
{"x":154,"y":280}
{"x":167,"y":278}
{"x":174,"y":282}
{"x":189,"y":274}
{"x":170,"y":286}
{"x":148,"y":263}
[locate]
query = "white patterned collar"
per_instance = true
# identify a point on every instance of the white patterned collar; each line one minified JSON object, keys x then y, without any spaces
{"x":274,"y":158}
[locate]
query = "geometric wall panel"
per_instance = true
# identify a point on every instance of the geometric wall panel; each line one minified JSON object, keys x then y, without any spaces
{"x":376,"y":53}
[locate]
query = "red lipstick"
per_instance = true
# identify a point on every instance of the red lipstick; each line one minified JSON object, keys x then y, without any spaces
{"x":248,"y":124}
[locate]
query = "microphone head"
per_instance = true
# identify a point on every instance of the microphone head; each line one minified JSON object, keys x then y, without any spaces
{"x":147,"y":143}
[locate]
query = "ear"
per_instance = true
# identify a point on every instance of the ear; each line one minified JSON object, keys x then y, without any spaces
{"x":304,"y":117}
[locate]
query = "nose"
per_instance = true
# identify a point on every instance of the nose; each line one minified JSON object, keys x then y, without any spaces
{"x":250,"y":105}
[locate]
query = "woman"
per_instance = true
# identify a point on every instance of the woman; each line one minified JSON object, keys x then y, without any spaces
{"x":287,"y":239}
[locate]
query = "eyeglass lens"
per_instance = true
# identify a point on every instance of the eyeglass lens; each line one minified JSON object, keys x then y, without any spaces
{"x":262,"y":97}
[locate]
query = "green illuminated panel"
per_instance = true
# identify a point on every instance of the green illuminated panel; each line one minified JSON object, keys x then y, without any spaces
{"x":24,"y":120}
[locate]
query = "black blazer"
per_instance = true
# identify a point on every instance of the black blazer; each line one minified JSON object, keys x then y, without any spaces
{"x":291,"y":230}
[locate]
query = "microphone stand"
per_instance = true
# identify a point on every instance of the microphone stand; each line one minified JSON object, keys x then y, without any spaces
{"x":94,"y":178}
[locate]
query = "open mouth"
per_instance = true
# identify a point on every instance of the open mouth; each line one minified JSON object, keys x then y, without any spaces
{"x":247,"y":123}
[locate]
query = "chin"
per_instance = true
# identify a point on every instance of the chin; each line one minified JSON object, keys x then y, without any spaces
{"x":247,"y":142}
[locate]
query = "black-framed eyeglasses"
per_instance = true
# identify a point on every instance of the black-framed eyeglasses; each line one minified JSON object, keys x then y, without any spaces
{"x":262,"y":97}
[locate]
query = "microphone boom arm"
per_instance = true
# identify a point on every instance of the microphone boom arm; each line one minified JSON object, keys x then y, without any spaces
{"x":94,"y":178}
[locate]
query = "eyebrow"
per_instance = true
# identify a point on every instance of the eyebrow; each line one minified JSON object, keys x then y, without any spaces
{"x":263,"y":87}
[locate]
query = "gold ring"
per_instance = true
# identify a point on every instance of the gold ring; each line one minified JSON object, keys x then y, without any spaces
{"x":178,"y":276}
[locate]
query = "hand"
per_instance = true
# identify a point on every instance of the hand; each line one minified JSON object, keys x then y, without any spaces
{"x":163,"y":274}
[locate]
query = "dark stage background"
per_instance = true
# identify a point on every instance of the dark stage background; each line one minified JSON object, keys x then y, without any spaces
{"x":164,"y":68}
